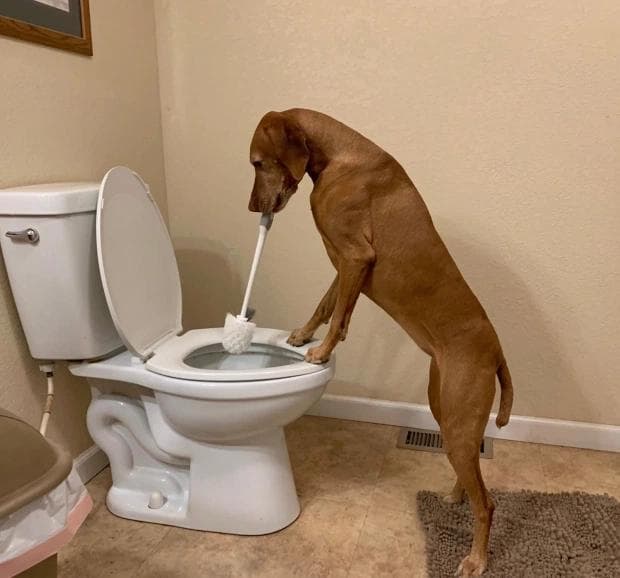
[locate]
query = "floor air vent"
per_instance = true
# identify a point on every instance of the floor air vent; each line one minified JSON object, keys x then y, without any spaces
{"x":430,"y":441}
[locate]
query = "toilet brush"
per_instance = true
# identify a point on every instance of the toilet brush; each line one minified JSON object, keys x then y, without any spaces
{"x":238,"y":331}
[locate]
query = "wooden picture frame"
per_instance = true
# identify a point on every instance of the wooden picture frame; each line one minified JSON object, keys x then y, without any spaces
{"x":63,"y":24}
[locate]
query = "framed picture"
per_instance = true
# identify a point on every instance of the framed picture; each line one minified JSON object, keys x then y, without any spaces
{"x":62,"y":24}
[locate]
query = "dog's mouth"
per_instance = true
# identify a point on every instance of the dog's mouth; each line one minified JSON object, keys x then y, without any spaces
{"x":281,"y":201}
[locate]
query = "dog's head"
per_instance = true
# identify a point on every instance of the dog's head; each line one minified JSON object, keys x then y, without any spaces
{"x":279,"y":155}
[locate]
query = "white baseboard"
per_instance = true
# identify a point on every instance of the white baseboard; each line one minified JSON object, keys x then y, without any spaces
{"x":89,"y":463}
{"x":521,"y":428}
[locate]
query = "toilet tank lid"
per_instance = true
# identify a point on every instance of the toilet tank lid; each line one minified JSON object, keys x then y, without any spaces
{"x":50,"y":199}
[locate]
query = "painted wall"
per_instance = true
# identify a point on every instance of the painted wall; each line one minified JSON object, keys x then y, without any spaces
{"x":505,"y":114}
{"x":69,"y":117}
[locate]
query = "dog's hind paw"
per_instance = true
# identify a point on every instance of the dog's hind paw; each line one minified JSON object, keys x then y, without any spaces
{"x":471,"y":566}
{"x":456,"y":496}
{"x":452,"y":499}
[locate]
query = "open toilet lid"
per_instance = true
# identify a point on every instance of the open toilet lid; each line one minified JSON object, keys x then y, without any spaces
{"x":137,"y":263}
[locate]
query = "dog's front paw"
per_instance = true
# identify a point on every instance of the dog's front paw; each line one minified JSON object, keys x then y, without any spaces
{"x":471,"y":566}
{"x":317,"y":355}
{"x":298,"y":337}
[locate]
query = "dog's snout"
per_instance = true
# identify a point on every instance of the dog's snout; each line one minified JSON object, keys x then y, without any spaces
{"x":260,"y":205}
{"x":263,"y":199}
{"x":256,"y":199}
{"x":253,"y":205}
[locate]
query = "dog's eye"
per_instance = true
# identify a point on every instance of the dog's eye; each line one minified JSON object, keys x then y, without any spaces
{"x":257,"y":164}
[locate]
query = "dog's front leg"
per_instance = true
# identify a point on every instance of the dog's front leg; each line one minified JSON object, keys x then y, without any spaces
{"x":352,"y":273}
{"x":321,"y":315}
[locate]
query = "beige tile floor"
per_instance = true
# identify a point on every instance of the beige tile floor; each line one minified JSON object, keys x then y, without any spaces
{"x":358,"y":494}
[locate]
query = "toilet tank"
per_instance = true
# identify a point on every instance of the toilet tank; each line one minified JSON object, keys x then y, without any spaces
{"x":47,"y":236}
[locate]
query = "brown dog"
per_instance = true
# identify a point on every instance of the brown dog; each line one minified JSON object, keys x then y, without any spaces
{"x":380,"y":238}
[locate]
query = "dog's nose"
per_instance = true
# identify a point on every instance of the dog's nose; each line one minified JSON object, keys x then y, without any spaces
{"x":253,"y":205}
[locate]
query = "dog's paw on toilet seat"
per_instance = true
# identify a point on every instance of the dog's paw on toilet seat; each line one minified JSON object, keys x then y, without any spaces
{"x":298,"y":337}
{"x":316,"y":355}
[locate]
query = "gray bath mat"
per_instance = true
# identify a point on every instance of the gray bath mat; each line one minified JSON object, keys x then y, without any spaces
{"x":534,"y":534}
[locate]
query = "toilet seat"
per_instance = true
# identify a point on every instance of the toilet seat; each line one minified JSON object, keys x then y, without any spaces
{"x":269,"y":357}
{"x":137,"y":263}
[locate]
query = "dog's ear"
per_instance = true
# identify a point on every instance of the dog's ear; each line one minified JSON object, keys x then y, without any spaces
{"x":289,"y":143}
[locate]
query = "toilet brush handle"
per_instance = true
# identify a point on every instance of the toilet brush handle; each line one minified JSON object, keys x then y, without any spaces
{"x":265,"y":224}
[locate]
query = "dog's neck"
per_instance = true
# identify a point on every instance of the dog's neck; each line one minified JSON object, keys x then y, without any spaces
{"x":322,"y":133}
{"x":317,"y":161}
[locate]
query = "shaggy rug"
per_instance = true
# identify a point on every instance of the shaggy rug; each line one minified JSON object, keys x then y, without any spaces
{"x":534,"y":534}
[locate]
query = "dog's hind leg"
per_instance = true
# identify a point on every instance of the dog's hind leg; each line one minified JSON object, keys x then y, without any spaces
{"x":457,"y":495}
{"x":321,"y":315}
{"x":466,"y":398}
{"x":434,"y":392}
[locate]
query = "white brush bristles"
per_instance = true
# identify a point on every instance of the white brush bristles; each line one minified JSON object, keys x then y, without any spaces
{"x":238,"y":332}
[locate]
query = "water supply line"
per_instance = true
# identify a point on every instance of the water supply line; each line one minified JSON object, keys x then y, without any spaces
{"x":48,"y":369}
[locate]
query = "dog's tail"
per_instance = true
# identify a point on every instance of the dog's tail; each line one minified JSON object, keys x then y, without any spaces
{"x":505,"y":400}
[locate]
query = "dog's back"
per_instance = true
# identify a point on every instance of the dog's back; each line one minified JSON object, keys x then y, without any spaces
{"x":414,"y":278}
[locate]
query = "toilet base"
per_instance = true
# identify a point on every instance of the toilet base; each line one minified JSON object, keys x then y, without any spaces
{"x":206,"y":455}
{"x":242,"y":488}
{"x":233,"y":489}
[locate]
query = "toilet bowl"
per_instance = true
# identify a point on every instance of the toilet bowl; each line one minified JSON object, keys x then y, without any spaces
{"x":206,"y":453}
{"x":194,"y":434}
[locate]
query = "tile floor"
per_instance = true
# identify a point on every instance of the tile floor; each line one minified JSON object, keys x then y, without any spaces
{"x":358,"y":496}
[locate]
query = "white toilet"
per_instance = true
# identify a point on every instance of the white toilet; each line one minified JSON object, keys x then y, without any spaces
{"x":193,"y":434}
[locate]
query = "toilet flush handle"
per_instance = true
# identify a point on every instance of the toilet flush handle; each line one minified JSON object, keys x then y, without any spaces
{"x":27,"y":235}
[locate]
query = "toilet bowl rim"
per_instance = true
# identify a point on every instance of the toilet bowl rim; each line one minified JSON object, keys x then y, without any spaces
{"x":125,"y":368}
{"x":169,"y":358}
